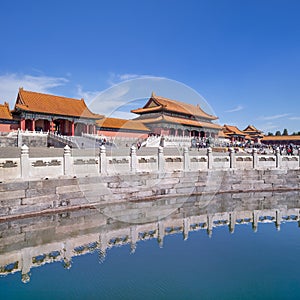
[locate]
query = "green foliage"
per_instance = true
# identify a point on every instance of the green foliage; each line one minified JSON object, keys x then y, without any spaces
{"x":278,"y":133}
{"x":285,"y":132}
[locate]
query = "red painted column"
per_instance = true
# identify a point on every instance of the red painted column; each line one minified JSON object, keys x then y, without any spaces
{"x":72,"y":128}
{"x":86,"y":128}
{"x":52,"y":126}
{"x":22,"y":124}
{"x":33,"y":124}
{"x":94,"y":129}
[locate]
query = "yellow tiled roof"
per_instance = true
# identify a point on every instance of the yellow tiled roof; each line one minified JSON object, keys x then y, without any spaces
{"x":230,"y":129}
{"x":182,"y":121}
{"x":251,"y":128}
{"x":158,"y":103}
{"x":51,"y":104}
{"x":281,"y":138}
{"x":5,"y":112}
{"x":121,"y":124}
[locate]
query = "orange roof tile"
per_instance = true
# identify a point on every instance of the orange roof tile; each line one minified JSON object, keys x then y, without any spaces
{"x":281,"y":138}
{"x":222,"y":134}
{"x":158,"y":103}
{"x":5,"y":112}
{"x":229,"y":129}
{"x":121,"y":124}
{"x":51,"y":104}
{"x":182,"y":121}
{"x":251,"y":128}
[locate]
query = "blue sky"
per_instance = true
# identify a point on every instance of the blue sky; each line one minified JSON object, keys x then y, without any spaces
{"x":243,"y":57}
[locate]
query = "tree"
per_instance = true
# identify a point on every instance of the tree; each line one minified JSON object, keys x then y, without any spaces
{"x":285,"y":132}
{"x":270,"y":133}
{"x":278,"y":132}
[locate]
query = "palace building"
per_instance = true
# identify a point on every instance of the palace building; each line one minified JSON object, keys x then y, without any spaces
{"x":67,"y":116}
{"x":234,"y":134}
{"x":255,"y":134}
{"x":160,"y":116}
{"x":165,"y":116}
{"x":112,"y":127}
{"x":7,"y":122}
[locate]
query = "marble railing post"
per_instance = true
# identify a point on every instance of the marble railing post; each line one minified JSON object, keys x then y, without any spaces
{"x":133,"y":159}
{"x":232,"y":158}
{"x":255,"y":158}
{"x":19,"y":138}
{"x":68,"y":163}
{"x":209,"y":158}
{"x":25,"y":163}
{"x":278,"y":158}
{"x":186,"y":159}
{"x":102,"y":160}
{"x":161,"y":159}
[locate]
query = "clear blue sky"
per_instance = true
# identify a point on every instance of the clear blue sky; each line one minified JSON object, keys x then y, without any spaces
{"x":242,"y":56}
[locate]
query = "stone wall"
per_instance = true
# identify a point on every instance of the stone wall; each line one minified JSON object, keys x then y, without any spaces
{"x":27,"y":167}
{"x":22,"y":197}
{"x":8,"y":141}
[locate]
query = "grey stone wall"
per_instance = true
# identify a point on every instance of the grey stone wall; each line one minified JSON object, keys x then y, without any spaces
{"x":30,"y":197}
{"x":8,"y":141}
{"x":35,"y":141}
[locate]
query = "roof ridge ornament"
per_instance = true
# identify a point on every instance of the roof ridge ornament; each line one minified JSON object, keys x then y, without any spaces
{"x":153,"y":94}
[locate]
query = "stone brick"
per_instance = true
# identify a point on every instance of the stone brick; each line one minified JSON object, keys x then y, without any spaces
{"x":125,"y":184}
{"x":13,"y":186}
{"x":12,"y":194}
{"x":40,"y":192}
{"x":185,"y":190}
{"x":70,"y":195}
{"x":47,"y":199}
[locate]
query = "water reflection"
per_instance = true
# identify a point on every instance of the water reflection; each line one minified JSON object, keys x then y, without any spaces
{"x":34,"y":242}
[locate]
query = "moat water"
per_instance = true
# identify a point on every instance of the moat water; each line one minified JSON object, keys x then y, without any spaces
{"x":234,"y":247}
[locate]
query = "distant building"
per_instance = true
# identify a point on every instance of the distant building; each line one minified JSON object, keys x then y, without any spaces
{"x":255,"y":134}
{"x":7,"y":122}
{"x":171,"y":117}
{"x":234,"y":134}
{"x":281,"y":139}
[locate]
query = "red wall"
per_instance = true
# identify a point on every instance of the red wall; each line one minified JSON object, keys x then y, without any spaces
{"x":8,"y":127}
{"x":122,"y":134}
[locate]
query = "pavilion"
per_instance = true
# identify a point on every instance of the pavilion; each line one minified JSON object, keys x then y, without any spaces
{"x":7,"y":122}
{"x":234,"y":134}
{"x":165,"y":116}
{"x":255,"y":134}
{"x":44,"y":112}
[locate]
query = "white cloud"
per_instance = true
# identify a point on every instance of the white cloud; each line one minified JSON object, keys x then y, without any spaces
{"x":88,"y":96}
{"x":10,"y":84}
{"x":123,"y":115}
{"x":274,"y":117}
{"x":269,"y":126}
{"x":117,"y":78}
{"x":238,"y":108}
{"x":294,"y":118}
{"x":108,"y":101}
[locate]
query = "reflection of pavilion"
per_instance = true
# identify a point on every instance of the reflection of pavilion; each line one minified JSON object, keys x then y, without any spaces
{"x":33,"y":242}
